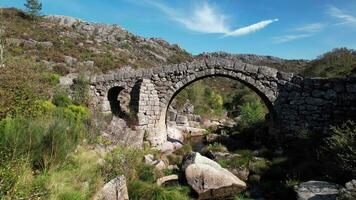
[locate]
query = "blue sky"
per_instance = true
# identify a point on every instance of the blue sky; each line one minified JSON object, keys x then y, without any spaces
{"x":284,"y":28}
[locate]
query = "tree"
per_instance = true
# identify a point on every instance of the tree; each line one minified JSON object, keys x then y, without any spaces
{"x":33,"y":7}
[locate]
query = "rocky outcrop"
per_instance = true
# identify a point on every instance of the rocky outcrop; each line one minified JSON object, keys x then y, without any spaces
{"x":349,"y":192}
{"x":116,"y":189}
{"x":317,"y":190}
{"x":208,"y":179}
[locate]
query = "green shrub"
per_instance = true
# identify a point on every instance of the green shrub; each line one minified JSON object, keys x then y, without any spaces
{"x":251,"y":114}
{"x":139,"y":190}
{"x":123,"y":161}
{"x":45,"y":140}
{"x":81,"y":91}
{"x":339,"y":151}
{"x":146,"y":173}
{"x":61,"y":99}
{"x":216,"y":147}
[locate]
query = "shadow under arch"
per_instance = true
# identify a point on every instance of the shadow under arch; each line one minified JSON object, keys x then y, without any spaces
{"x":115,"y":106}
{"x":271,"y":116}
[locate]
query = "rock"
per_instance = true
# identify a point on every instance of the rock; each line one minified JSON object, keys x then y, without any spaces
{"x":170,"y":146}
{"x":349,"y":192}
{"x":175,"y":134}
{"x":116,"y":189}
{"x":70,"y":60}
{"x":208,"y":179}
{"x":212,"y":137}
{"x":181,"y":119}
{"x":67,"y":80}
{"x":317,"y":190}
{"x":63,"y":20}
{"x":241,"y":172}
{"x":193,"y":132}
{"x":158,"y":164}
{"x":167,"y":180}
{"x":149,"y":159}
{"x":172,"y":115}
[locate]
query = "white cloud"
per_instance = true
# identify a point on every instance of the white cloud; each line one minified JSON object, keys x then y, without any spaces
{"x":288,"y":38}
{"x":205,"y":18}
{"x":251,"y":28}
{"x":341,"y":15}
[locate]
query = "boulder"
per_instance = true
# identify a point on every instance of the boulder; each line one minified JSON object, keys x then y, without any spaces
{"x":349,"y":192}
{"x":116,"y":189}
{"x":317,"y":190}
{"x":208,"y":179}
{"x":175,"y":134}
{"x":181,"y":119}
{"x":166,"y":180}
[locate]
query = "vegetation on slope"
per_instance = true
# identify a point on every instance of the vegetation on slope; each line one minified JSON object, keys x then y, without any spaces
{"x":339,"y":62}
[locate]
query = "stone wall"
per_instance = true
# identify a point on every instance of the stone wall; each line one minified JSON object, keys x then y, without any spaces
{"x":294,"y":103}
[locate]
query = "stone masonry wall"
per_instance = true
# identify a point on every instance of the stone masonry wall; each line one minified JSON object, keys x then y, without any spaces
{"x":294,"y":103}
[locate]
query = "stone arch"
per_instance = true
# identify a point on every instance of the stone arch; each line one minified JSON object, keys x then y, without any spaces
{"x":260,"y":86}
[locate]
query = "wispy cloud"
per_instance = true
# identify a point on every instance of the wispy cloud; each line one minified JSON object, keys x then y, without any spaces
{"x":342,"y":15}
{"x":205,"y":18}
{"x":288,"y":38}
{"x":311,"y":28}
{"x":251,"y":28}
{"x":304,"y":31}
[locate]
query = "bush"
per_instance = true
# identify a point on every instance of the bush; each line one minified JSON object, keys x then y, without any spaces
{"x":45,"y":140}
{"x":139,"y":190}
{"x":339,"y":152}
{"x":146,"y":173}
{"x":216,"y":147}
{"x":123,"y":161}
{"x":81,"y":91}
{"x":251,"y":113}
{"x":61,"y":99}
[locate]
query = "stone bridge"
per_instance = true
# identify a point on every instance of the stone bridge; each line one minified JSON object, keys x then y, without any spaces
{"x":294,"y":103}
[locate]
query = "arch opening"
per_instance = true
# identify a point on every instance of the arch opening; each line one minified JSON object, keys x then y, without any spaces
{"x":271,"y":115}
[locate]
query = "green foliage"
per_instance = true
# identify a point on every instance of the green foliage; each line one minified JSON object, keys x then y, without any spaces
{"x":146,"y":173}
{"x":251,"y":114}
{"x":54,"y":79}
{"x":33,"y":7}
{"x":243,"y":159}
{"x":139,"y":190}
{"x":61,"y":99}
{"x":336,"y":63}
{"x":339,"y":151}
{"x":216,"y":147}
{"x":45,"y":140}
{"x":241,"y":197}
{"x":81,"y":91}
{"x":23,"y":85}
{"x":123,"y":161}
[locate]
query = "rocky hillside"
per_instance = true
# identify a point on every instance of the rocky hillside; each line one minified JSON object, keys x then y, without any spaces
{"x":295,"y":66}
{"x":68,"y":45}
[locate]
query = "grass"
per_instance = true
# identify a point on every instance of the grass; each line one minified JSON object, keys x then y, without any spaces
{"x":216,"y":147}
{"x":139,"y":190}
